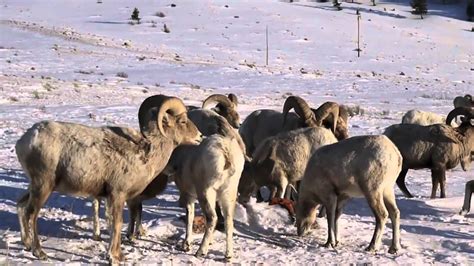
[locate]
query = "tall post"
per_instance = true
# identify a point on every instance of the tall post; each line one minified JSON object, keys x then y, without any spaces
{"x":358,"y":32}
{"x":266,"y":41}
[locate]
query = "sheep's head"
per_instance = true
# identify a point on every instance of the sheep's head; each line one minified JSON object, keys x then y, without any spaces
{"x":226,"y":107}
{"x":465,"y":101}
{"x":247,"y":185}
{"x":305,"y":216}
{"x":301,"y":109}
{"x":466,"y":129}
{"x":166,"y":116}
{"x":327,"y":115}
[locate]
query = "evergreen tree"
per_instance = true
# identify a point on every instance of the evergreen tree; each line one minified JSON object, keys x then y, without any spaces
{"x":419,"y":7}
{"x":470,"y":10}
{"x":336,"y":4}
{"x":136,"y":15}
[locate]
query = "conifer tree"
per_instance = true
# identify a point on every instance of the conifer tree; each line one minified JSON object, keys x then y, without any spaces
{"x":136,"y":15}
{"x":419,"y":7}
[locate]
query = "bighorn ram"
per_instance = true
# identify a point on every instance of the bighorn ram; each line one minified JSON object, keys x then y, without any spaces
{"x":116,"y":163}
{"x":437,"y":147}
{"x":422,"y":118}
{"x":226,"y":107}
{"x":281,"y":160}
{"x":465,"y":101}
{"x":209,"y":172}
{"x":362,"y":166}
{"x":265,"y":123}
{"x":466,"y":207}
{"x":208,"y":122}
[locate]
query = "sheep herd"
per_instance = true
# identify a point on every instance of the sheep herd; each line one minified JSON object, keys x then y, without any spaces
{"x":214,"y":159}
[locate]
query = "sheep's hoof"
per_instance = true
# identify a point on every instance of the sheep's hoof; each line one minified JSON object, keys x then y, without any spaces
{"x":200,"y":253}
{"x":97,"y":238}
{"x":371,"y":248}
{"x":115,"y":260}
{"x":39,"y":253}
{"x":463,"y":212}
{"x":186,"y":247}
{"x":141,"y":232}
{"x":330,"y":244}
{"x":228,"y":258}
{"x":393,"y":250}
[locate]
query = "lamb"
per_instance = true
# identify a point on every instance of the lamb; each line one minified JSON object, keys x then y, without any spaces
{"x":362,"y":166}
{"x":466,"y":207}
{"x":115,"y":163}
{"x":422,"y":118}
{"x":465,"y":101}
{"x":265,"y":123}
{"x":437,"y":147}
{"x":209,"y":172}
{"x":281,"y":160}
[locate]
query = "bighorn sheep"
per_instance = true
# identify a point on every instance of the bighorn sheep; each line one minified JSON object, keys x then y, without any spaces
{"x":465,"y":101}
{"x":422,"y":118}
{"x":437,"y":147}
{"x":362,"y":166}
{"x":208,"y":122}
{"x":116,"y":163}
{"x":226,"y":107}
{"x":281,"y":160}
{"x":209,"y":172}
{"x":265,"y":123}
{"x":466,"y":207}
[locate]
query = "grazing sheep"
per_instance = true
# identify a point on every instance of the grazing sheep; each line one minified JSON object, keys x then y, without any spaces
{"x":281,"y":160}
{"x":466,"y":207}
{"x":262,"y":124}
{"x":465,"y":101}
{"x":422,"y":118}
{"x":437,"y":147}
{"x":115,"y":163}
{"x":209,"y":172}
{"x":362,"y":166}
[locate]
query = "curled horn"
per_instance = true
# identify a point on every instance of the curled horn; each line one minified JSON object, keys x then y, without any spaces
{"x":172,"y":105}
{"x":324,"y":111}
{"x":162,"y":104}
{"x":301,"y":108}
{"x":468,"y":113}
{"x":233,"y":98}
{"x":220,"y":99}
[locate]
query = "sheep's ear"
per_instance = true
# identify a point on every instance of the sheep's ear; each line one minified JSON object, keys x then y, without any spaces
{"x":182,"y":119}
{"x":168,"y":121}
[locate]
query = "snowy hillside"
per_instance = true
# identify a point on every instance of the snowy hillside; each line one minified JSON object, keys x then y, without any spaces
{"x":83,"y":62}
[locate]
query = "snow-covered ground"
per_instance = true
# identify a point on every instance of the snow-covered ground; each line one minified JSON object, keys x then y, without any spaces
{"x":60,"y":59}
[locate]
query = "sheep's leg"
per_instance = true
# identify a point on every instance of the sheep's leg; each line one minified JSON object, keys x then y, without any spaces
{"x":207,"y":202}
{"x":401,"y":183}
{"x":116,"y":204}
{"x":331,"y":206}
{"x":140,"y":231}
{"x":438,"y":176}
{"x":341,"y":201}
{"x":96,"y":219}
{"x":377,"y":205}
{"x":228,"y":208}
{"x":189,"y":226}
{"x":25,"y":231}
{"x":394,"y":213}
{"x":133,"y":206}
{"x":282,"y":184}
{"x":466,"y":207}
{"x":36,"y":200}
{"x":220,"y":219}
